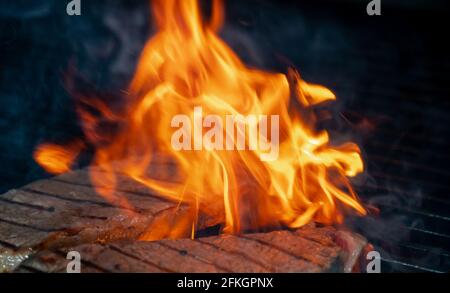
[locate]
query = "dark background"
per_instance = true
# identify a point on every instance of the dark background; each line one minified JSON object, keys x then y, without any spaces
{"x":390,"y":73}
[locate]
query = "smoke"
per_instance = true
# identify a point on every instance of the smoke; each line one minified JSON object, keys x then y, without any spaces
{"x":372,"y":73}
{"x":40,"y":47}
{"x":26,"y":9}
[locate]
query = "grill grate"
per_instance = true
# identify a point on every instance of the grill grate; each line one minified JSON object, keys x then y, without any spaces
{"x":394,"y":80}
{"x":407,"y":158}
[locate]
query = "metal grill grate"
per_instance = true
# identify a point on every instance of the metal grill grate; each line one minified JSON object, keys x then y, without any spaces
{"x":407,"y":157}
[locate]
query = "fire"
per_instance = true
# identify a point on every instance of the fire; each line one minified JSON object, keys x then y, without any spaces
{"x":57,"y":159}
{"x":186,"y":65}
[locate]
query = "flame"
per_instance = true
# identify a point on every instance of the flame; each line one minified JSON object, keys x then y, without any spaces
{"x":186,"y":65}
{"x":56,"y":159}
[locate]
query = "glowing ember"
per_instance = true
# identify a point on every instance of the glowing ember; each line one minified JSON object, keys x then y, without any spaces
{"x":186,"y":67}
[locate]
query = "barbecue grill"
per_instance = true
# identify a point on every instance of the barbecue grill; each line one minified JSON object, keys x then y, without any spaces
{"x":390,"y":74}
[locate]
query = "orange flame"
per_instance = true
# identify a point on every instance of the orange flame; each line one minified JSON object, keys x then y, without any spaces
{"x":57,"y":159}
{"x":185,"y":66}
